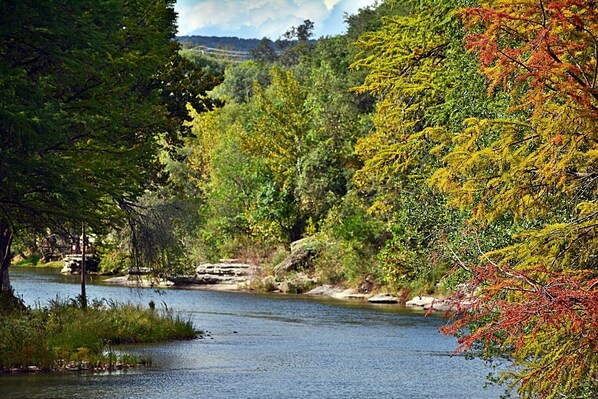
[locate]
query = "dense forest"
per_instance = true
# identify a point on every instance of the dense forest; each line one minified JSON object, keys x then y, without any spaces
{"x":447,"y":147}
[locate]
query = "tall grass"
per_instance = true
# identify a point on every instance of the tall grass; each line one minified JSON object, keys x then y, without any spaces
{"x":63,"y":335}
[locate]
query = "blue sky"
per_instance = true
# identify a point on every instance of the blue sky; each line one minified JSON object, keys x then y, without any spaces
{"x":263,"y":18}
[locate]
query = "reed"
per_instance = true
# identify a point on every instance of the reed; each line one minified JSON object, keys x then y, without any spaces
{"x":62,"y":335}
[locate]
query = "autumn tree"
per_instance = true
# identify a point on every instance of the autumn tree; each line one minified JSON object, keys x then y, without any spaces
{"x":536,"y":298}
{"x":425,"y":84}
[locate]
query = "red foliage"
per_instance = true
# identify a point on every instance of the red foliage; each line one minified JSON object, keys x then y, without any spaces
{"x":550,"y":45}
{"x":544,"y":298}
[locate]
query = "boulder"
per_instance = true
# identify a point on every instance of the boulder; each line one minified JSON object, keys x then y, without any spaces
{"x":383,"y":298}
{"x":229,"y":274}
{"x":72,"y":263}
{"x":302,"y":251}
{"x":428,"y":302}
{"x":421,"y":301}
{"x":325,"y":290}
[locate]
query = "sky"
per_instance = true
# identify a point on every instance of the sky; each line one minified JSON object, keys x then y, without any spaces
{"x":263,"y":18}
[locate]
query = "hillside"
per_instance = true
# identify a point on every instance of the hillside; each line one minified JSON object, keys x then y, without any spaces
{"x":229,"y":43}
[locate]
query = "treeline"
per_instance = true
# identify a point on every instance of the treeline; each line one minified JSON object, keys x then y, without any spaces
{"x":230,"y":43}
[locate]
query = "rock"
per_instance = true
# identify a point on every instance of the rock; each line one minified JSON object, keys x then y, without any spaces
{"x":336,"y":292}
{"x":139,"y":281}
{"x":428,"y":302}
{"x":383,"y":298}
{"x":72,"y":263}
{"x":296,"y":284}
{"x":33,"y":369}
{"x":302,"y":251}
{"x":349,"y":293}
{"x":421,"y":301}
{"x":225,"y":274}
{"x":325,"y":289}
{"x":439,"y":306}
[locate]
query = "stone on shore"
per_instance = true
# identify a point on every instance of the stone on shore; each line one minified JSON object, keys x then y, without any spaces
{"x":428,"y":302}
{"x":302,"y":252}
{"x":139,"y":281}
{"x":383,"y":298}
{"x":225,"y":274}
{"x":336,"y":292}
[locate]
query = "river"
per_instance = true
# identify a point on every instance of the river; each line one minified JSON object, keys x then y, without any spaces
{"x":266,"y":346}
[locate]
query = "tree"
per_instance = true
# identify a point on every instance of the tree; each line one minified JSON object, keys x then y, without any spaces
{"x":425,"y":84}
{"x":88,"y":99}
{"x":278,"y":134}
{"x":239,"y":81}
{"x":264,"y":52}
{"x":295,"y":43}
{"x":536,"y":298}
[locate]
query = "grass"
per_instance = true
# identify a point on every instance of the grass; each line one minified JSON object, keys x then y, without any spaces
{"x":63,"y":336}
{"x":35,"y":261}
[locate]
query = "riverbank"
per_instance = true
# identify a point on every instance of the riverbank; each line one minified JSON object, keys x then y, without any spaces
{"x":213,"y":278}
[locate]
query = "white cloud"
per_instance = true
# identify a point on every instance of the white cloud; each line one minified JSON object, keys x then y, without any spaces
{"x":259,"y":18}
{"x":331,"y":3}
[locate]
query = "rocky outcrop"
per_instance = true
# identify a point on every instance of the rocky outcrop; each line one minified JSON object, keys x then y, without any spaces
{"x":139,"y":281}
{"x":337,"y":292}
{"x":302,"y":252}
{"x":428,"y":302}
{"x":383,"y":298}
{"x":229,"y":274}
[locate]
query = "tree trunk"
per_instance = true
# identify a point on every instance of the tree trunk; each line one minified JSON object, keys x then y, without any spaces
{"x":83,"y":269}
{"x":5,"y":245}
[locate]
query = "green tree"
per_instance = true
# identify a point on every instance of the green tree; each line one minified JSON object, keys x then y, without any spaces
{"x":265,"y":52}
{"x":88,"y":99}
{"x":239,"y":81}
{"x":295,"y":44}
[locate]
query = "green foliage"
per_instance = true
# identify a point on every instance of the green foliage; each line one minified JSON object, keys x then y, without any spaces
{"x":533,"y":166}
{"x":86,"y":111}
{"x":207,"y":64}
{"x":239,"y":81}
{"x":32,"y":260}
{"x":416,"y":65}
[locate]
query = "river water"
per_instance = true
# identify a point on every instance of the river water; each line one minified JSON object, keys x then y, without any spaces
{"x":266,"y":346}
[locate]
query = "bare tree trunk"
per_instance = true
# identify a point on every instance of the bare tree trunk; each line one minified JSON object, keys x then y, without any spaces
{"x":83,"y":269}
{"x":5,"y":245}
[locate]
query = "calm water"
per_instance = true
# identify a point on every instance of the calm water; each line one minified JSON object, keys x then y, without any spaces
{"x":267,"y":346}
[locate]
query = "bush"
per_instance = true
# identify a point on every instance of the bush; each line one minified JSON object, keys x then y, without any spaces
{"x":345,"y":262}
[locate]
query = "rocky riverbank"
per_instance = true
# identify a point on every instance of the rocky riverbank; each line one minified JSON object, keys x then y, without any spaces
{"x":294,"y":275}
{"x":235,"y":276}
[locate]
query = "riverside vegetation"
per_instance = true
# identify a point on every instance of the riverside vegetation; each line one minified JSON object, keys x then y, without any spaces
{"x":64,"y":336}
{"x":437,"y":146}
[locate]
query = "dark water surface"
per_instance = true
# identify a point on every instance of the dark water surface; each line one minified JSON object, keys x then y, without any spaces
{"x":266,"y":346}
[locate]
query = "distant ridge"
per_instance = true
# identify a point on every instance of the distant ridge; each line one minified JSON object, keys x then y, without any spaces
{"x":215,"y":42}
